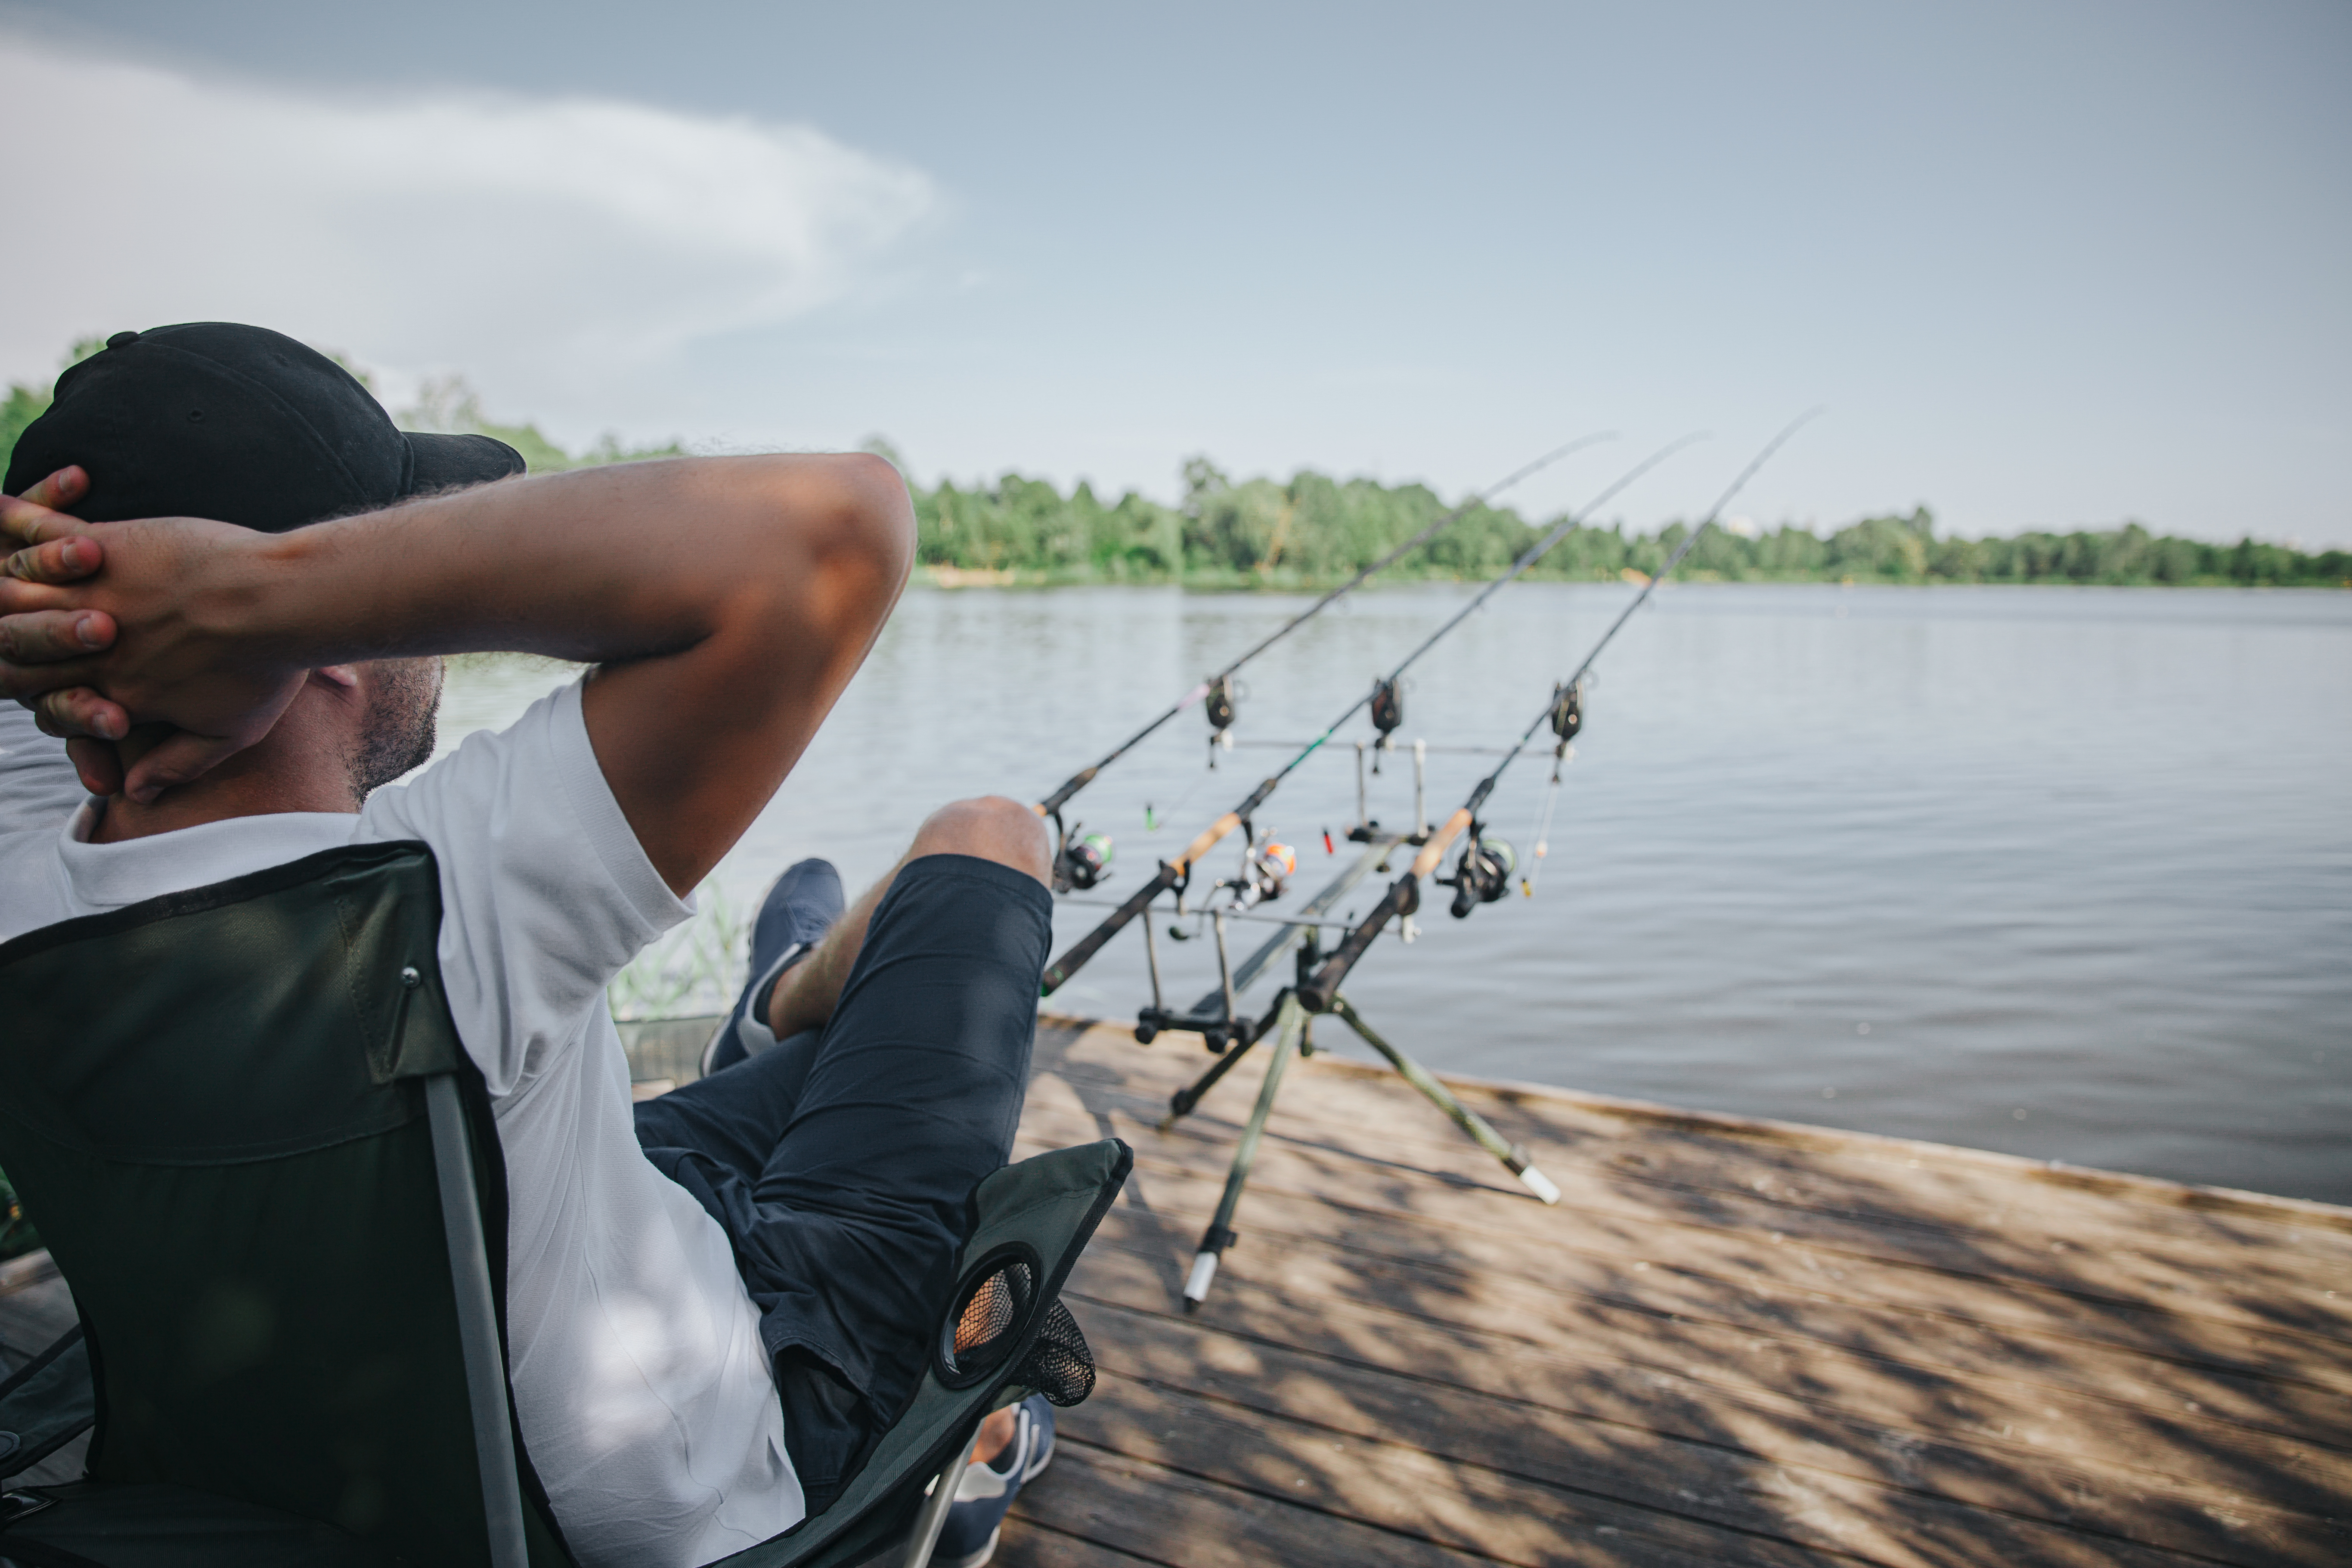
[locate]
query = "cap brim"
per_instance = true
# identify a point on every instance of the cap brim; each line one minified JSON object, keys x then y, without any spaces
{"x":443,"y":461}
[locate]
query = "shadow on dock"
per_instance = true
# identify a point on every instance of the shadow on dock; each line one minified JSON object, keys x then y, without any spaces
{"x":1733,"y":1342}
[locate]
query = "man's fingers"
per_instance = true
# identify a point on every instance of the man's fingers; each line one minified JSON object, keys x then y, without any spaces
{"x":23,"y":521}
{"x":45,"y":637}
{"x":183,"y":757}
{"x":78,"y":710}
{"x":97,"y":763}
{"x":60,"y":489}
{"x":26,"y":682}
{"x":57,"y":561}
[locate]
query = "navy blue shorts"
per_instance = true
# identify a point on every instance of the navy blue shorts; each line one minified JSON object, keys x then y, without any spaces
{"x":841,"y":1161}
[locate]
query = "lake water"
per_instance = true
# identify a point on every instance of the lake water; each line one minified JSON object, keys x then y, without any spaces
{"x":2062,"y":872}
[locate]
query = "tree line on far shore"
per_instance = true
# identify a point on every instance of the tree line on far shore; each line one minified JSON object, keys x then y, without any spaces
{"x":1312,"y":531}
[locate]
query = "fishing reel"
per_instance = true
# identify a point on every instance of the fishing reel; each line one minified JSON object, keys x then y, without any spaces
{"x":1483,"y":874}
{"x":1080,"y":862}
{"x":1271,"y":865}
{"x":1267,"y":869}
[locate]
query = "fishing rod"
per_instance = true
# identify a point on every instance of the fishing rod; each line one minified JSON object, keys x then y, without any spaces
{"x":1218,"y":688}
{"x":1482,"y":873}
{"x":1387,"y":705}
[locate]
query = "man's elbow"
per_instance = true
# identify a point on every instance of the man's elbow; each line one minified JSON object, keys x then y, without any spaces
{"x":881,"y":516}
{"x":867,"y":544}
{"x":840,"y":538}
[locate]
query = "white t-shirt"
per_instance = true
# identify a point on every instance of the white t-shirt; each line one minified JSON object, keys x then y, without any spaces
{"x":643,"y":1389}
{"x":38,"y":787}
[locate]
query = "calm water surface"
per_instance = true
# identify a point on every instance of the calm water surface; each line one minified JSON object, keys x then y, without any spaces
{"x":2062,"y":872}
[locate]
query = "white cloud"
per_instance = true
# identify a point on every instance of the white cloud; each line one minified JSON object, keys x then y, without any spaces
{"x":552,"y":249}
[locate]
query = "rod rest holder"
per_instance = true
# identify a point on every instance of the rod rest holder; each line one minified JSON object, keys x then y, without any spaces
{"x":1218,"y":1034}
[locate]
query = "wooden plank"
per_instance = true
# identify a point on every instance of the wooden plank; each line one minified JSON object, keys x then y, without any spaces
{"x":1033,"y":1543}
{"x":1951,"y":1183}
{"x":2174,"y":1207}
{"x":1722,"y":1243}
{"x":1744,"y":1283}
{"x":1029,"y":1542}
{"x":1940,"y":1357}
{"x":1170,"y":1516}
{"x":1813,"y":1482}
{"x":1391,"y":1484}
{"x":1971,"y":1388}
{"x":2270,"y":1287}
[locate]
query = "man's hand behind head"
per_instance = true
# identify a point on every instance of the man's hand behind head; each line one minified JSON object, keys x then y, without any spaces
{"x":48,"y":556}
{"x":64,"y":654}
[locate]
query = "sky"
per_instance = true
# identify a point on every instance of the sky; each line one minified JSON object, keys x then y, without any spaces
{"x":2048,"y":266}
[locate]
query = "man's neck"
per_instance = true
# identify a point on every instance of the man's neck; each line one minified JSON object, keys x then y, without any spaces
{"x":287,"y":770}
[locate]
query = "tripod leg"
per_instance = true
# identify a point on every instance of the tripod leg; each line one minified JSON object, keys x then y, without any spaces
{"x":1182,"y":1101}
{"x":1514,"y":1156}
{"x":1220,"y":1234}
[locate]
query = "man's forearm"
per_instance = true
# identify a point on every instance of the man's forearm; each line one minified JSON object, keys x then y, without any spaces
{"x":599,"y":566}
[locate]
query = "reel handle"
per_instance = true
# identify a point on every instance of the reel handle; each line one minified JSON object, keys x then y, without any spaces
{"x":1402,"y":898}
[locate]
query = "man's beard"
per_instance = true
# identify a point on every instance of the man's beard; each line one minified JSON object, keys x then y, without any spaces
{"x":399,"y":732}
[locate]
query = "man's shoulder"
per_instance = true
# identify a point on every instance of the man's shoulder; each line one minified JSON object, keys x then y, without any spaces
{"x":487,"y":773}
{"x":523,"y":816}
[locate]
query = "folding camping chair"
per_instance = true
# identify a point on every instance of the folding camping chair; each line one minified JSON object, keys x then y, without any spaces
{"x":267,"y":1169}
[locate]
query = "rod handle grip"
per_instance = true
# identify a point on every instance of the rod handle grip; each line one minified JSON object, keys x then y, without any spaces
{"x":1402,"y":898}
{"x":1435,"y":850}
{"x":1209,"y":838}
{"x":1070,"y":787}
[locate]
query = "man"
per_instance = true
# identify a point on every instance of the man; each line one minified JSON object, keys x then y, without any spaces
{"x":706,"y":1335}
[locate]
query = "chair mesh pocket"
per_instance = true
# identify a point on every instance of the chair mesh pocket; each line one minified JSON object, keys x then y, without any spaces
{"x":989,"y":1314}
{"x":1058,"y":1366}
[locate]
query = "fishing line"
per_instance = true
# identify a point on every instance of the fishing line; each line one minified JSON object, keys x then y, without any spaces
{"x":1484,"y":871}
{"x":1543,"y":826}
{"x":1171,"y":873}
{"x":1153,"y":820}
{"x":1218,"y":687}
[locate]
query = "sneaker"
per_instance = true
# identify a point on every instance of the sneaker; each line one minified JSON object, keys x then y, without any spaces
{"x":977,"y":1516}
{"x":793,"y":918}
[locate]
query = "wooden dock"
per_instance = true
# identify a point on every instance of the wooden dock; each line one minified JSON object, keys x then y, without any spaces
{"x":1733,"y":1342}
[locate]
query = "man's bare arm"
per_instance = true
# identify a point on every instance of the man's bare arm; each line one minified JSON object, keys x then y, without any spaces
{"x":726,"y":600}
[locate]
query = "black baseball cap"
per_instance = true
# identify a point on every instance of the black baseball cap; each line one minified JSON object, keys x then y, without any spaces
{"x":238,"y":424}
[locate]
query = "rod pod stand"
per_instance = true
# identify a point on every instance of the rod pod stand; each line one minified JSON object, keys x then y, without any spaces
{"x":1367,"y":830}
{"x":1220,"y":1234}
{"x":1289,"y":1022}
{"x":1289,"y":1028}
{"x":1229,"y":1026}
{"x":1210,"y":1018}
{"x":1514,"y":1156}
